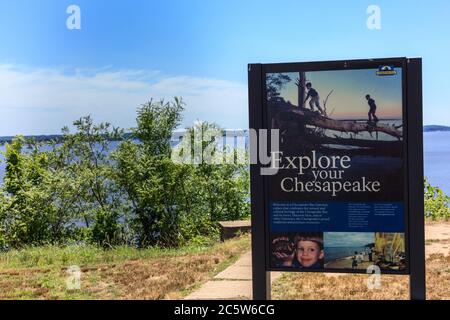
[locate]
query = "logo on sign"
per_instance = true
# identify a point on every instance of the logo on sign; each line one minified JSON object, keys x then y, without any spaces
{"x":386,"y":71}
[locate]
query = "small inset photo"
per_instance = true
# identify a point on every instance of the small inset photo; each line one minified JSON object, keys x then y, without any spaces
{"x":297,"y":250}
{"x":390,"y":251}
{"x":349,"y":250}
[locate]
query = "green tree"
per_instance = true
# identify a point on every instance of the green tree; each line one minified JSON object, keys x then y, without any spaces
{"x":84,"y":160}
{"x":28,"y":214}
{"x":222,"y":182}
{"x":149,"y":180}
{"x":98,"y":185}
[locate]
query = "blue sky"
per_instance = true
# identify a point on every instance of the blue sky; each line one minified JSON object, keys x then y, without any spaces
{"x":348,"y":239}
{"x":346,"y":92}
{"x":129,"y":51}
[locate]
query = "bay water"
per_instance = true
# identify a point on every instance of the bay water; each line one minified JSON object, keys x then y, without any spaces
{"x":436,"y":159}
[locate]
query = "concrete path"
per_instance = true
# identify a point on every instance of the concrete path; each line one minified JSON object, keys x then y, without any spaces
{"x":235,"y":282}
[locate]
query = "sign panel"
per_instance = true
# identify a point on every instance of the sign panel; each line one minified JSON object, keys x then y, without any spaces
{"x":336,"y":198}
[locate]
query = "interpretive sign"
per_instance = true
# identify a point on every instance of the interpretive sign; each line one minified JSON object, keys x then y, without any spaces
{"x":336,"y":191}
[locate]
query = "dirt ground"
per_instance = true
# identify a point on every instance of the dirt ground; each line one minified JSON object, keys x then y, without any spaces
{"x":437,"y":238}
{"x":152,"y":277}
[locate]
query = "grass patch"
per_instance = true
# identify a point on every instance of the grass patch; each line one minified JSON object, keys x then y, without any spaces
{"x":54,"y":256}
{"x":117,"y":273}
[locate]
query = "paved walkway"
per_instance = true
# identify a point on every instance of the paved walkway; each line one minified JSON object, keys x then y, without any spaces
{"x":235,"y":282}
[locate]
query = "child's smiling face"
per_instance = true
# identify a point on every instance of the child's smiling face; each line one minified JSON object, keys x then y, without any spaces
{"x":308,"y":253}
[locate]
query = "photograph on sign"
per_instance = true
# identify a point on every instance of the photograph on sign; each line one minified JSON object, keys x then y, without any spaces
{"x":337,"y":199}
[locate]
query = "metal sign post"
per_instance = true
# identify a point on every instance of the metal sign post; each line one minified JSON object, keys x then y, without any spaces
{"x":415,"y":183}
{"x":261,"y":277}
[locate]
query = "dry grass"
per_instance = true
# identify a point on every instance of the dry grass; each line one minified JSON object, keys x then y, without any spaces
{"x":316,"y":286}
{"x":123,"y":273}
{"x":152,"y":277}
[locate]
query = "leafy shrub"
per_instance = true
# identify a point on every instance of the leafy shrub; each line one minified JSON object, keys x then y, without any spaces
{"x":437,"y":203}
{"x":80,"y":189}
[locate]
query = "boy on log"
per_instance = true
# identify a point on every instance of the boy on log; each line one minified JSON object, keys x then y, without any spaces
{"x":372,"y":108}
{"x":315,"y":100}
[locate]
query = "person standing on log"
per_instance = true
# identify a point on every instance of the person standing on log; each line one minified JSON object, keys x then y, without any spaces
{"x":372,"y":108}
{"x":315,"y":100}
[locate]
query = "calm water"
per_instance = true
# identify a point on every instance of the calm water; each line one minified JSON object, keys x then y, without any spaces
{"x":436,"y":159}
{"x":333,"y":253}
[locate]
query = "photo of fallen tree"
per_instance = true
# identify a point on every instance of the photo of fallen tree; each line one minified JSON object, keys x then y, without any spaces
{"x":338,"y":124}
{"x":296,"y":121}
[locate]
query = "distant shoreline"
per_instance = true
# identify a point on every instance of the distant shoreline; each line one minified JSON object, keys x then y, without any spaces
{"x":48,"y":138}
{"x":435,"y":128}
{"x":57,"y":137}
{"x":346,"y":263}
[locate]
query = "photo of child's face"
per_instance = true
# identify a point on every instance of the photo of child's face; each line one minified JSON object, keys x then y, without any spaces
{"x":308,"y":253}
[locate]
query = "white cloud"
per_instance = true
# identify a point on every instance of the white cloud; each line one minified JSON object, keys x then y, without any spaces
{"x":42,"y":100}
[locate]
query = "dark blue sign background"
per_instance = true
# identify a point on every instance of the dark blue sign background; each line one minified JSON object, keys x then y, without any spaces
{"x":336,"y":216}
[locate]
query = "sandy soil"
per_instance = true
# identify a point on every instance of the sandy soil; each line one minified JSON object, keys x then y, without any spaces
{"x":437,"y":238}
{"x":346,"y":263}
{"x":437,"y":230}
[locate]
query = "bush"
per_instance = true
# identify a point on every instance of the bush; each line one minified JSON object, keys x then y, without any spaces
{"x":436,"y":203}
{"x":81,"y":190}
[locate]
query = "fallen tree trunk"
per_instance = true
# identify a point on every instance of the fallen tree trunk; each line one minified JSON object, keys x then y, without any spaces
{"x":361,"y":146}
{"x":314,"y":119}
{"x":330,"y":146}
